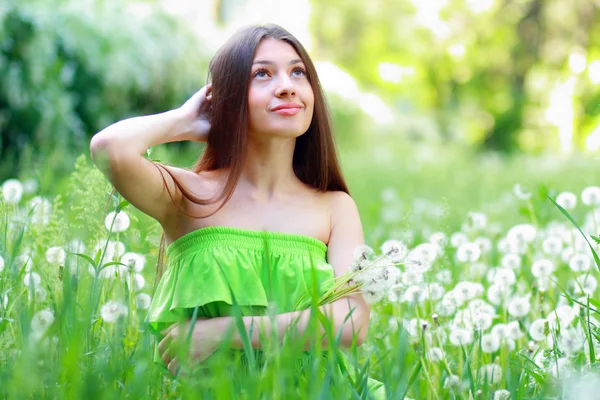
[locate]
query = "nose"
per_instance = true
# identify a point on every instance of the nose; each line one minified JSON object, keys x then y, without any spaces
{"x":285,"y":87}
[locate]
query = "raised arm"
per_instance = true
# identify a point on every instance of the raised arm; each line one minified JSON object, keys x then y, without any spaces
{"x":118,"y":152}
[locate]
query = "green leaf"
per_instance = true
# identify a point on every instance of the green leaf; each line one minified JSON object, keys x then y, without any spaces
{"x":87,"y":258}
{"x":122,"y":205}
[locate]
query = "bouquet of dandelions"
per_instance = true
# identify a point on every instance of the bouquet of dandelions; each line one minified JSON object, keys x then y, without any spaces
{"x":375,"y":276}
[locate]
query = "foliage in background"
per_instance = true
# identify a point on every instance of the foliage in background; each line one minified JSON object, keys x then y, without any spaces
{"x":70,"y":68}
{"x":501,"y":74}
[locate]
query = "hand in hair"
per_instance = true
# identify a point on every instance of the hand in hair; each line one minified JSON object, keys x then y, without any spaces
{"x":197,"y":110}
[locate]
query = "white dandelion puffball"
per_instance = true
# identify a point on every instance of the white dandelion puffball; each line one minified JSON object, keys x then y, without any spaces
{"x":76,"y":246}
{"x":23,"y":261}
{"x":484,"y":244}
{"x":461,"y":337}
{"x":438,"y":239}
{"x":435,"y":354}
{"x":521,"y":192}
{"x":39,"y":292}
{"x":591,"y":196}
{"x":552,"y":245}
{"x":41,"y":321}
{"x":112,"y":271}
{"x":511,"y":261}
{"x":580,"y":263}
{"x":421,"y":258}
{"x":522,"y":233}
{"x":468,"y":252}
{"x":452,"y":381}
{"x":137,"y":282}
{"x":457,"y":239}
{"x":372,"y":297}
{"x":490,"y":343}
{"x":476,"y":221}
{"x":32,"y":277}
{"x":113,"y":310}
{"x":490,"y":373}
{"x":562,"y":315}
{"x":519,"y":307}
{"x":395,"y":250}
{"x":56,"y":255}
{"x":121,"y":221}
{"x":542,"y":268}
{"x":12,"y":191}
{"x":363,"y":252}
{"x":567,"y":200}
{"x":501,"y":394}
{"x":142,"y":301}
{"x":134,"y":261}
{"x":505,"y":277}
{"x":1,"y":264}
{"x":513,"y":330}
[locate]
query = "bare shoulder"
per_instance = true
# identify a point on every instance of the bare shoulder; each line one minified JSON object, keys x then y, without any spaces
{"x":342,"y":207}
{"x":201,"y":184}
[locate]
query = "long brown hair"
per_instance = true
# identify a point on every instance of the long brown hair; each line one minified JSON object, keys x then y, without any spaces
{"x":315,"y":160}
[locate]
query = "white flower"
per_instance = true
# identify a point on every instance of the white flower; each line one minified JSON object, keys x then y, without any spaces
{"x":513,"y":330}
{"x":484,"y":244}
{"x":39,"y":293}
{"x":41,"y":321}
{"x":42,"y":210}
{"x":421,"y":258}
{"x":458,"y":239}
{"x":591,"y":196}
{"x":76,"y":246}
{"x":395,"y":250}
{"x":497,"y":294}
{"x":134,"y":261}
{"x":519,"y":306}
{"x":1,"y":264}
{"x":12,"y":191}
{"x":363,"y":252}
{"x":504,"y":277}
{"x":552,"y":245}
{"x":476,"y":220}
{"x":56,"y":255}
{"x":395,"y":293}
{"x":490,"y":373}
{"x":142,"y":301}
{"x":111,"y":271}
{"x":490,"y":343}
{"x":444,"y":276}
{"x":468,"y":252}
{"x":434,"y":291}
{"x":452,"y":381}
{"x":112,"y":310}
{"x":562,"y":315}
{"x":559,"y":367}
{"x":32,"y":277}
{"x":121,"y":221}
{"x":580,"y":263}
{"x":461,"y":337}
{"x":570,"y":341}
{"x":465,"y":291}
{"x":522,"y":233}
{"x":438,"y":239}
{"x":435,"y":354}
{"x":542,"y":268}
{"x":501,"y":394}
{"x":586,"y":284}
{"x":138,"y":281}
{"x":413,"y":294}
{"x":567,"y":200}
{"x":511,"y":261}
{"x":372,"y":297}
{"x":521,"y":192}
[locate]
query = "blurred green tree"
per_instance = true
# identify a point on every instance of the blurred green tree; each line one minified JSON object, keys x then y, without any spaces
{"x":70,"y":68}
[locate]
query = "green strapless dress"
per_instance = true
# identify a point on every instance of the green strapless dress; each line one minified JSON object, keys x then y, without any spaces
{"x":263,"y":269}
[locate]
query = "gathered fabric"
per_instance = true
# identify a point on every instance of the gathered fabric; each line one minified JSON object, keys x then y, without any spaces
{"x":264,"y":271}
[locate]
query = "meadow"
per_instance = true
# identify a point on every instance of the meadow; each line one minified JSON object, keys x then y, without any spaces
{"x":486,"y":289}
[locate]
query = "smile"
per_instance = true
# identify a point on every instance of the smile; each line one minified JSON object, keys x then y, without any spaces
{"x":288,"y":111}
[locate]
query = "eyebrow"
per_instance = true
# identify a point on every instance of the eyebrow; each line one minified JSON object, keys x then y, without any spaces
{"x":268,"y":62}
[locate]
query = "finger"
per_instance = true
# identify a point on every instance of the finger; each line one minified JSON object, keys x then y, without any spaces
{"x":169,"y":329}
{"x":173,"y":366}
{"x":166,"y":356}
{"x":164,"y":344}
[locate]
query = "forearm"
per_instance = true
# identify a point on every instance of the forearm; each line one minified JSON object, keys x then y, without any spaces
{"x":137,"y":134}
{"x":264,"y":327}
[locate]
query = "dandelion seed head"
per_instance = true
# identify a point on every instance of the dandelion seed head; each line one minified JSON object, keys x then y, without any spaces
{"x":56,"y":255}
{"x":468,"y":252}
{"x":134,"y":261}
{"x":490,"y":343}
{"x":142,"y":301}
{"x":113,"y":310}
{"x":580,"y":263}
{"x":567,"y":200}
{"x":590,"y":196}
{"x":521,"y":192}
{"x":519,"y":307}
{"x":457,"y":239}
{"x":121,"y":221}
{"x":12,"y":191}
{"x":490,"y":373}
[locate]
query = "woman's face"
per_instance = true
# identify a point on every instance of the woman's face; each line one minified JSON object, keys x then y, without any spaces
{"x":280,"y":98}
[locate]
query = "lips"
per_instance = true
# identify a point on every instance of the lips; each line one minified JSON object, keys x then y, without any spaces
{"x":286,"y":106}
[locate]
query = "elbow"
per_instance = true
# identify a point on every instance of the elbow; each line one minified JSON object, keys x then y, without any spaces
{"x":103,"y":152}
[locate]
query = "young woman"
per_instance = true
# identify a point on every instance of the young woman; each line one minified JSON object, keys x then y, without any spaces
{"x":265,"y":201}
